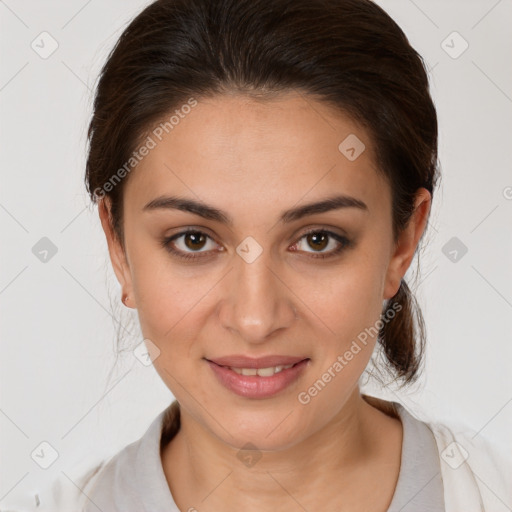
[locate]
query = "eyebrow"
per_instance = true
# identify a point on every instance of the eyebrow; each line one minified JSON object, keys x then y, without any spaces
{"x":293,"y":214}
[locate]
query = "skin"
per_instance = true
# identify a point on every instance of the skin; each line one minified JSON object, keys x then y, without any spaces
{"x":254,"y":159}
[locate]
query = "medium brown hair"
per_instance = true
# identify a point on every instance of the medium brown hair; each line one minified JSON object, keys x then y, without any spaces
{"x":348,"y":53}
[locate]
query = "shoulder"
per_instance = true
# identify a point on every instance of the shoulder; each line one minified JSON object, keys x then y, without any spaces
{"x":133,"y":478}
{"x":88,"y":489}
{"x":477,"y":474}
{"x":108,"y":483}
{"x":114,"y":474}
{"x":66,"y":493}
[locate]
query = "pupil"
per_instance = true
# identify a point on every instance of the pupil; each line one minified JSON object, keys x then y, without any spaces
{"x":195,"y":238}
{"x":315,"y":237}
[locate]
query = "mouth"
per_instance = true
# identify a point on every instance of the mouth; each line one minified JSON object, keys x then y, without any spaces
{"x":241,"y":361}
{"x":260,"y":371}
{"x":253,"y":378}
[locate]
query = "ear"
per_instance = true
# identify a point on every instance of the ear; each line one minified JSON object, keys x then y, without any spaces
{"x":115,"y":249}
{"x":403,"y":251}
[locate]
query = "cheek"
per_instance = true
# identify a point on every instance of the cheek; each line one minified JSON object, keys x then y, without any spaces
{"x":349,"y":299}
{"x":350,"y":305}
{"x":163,"y":298}
{"x":173,"y":306}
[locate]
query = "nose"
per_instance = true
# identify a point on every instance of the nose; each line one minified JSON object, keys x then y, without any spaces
{"x":257,"y":301}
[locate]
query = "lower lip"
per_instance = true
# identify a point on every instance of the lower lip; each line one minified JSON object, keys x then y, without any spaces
{"x":254,"y":386}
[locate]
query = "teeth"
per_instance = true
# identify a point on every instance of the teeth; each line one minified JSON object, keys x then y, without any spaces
{"x":262,"y":372}
{"x":266,"y":372}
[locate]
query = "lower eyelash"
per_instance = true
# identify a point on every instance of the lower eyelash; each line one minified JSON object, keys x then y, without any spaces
{"x":185,"y":255}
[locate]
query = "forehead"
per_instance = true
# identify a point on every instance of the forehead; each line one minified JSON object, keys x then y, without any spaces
{"x":269,"y":152}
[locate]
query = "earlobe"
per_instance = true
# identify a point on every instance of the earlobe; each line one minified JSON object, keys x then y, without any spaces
{"x":407,"y":243}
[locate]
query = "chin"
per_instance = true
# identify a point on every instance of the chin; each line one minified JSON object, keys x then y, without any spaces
{"x":267,"y":434}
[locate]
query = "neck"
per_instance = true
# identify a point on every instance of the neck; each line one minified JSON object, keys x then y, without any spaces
{"x":197,"y":463}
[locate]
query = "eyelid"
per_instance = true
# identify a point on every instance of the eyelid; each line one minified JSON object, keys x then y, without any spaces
{"x":324,"y":229}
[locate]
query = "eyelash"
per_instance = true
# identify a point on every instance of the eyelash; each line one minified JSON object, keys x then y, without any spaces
{"x":344,"y":242}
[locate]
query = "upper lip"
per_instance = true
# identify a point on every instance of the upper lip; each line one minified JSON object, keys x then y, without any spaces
{"x":240,"y":361}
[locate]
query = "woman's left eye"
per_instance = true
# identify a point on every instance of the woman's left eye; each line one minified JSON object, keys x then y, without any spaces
{"x":322,"y":239}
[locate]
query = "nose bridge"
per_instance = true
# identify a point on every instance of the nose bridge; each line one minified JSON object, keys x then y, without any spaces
{"x":258,"y":302}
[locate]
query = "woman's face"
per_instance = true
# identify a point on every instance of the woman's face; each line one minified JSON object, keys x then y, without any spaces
{"x":249,"y":280}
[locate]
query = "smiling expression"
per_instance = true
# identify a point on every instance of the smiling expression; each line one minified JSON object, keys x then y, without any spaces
{"x":248,"y":232}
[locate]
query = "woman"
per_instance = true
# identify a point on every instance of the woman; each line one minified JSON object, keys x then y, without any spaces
{"x":264,"y":172}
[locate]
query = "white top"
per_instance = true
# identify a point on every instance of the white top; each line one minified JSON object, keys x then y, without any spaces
{"x":133,"y":480}
{"x":440,"y":471}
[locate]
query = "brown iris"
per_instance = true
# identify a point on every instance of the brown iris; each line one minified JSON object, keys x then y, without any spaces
{"x":197,"y":240}
{"x":319,"y":240}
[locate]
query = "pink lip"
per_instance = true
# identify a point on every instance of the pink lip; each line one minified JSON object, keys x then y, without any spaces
{"x":240,"y":361}
{"x":254,"y":386}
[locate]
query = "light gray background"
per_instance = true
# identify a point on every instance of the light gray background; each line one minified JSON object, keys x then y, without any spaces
{"x":58,"y":332}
